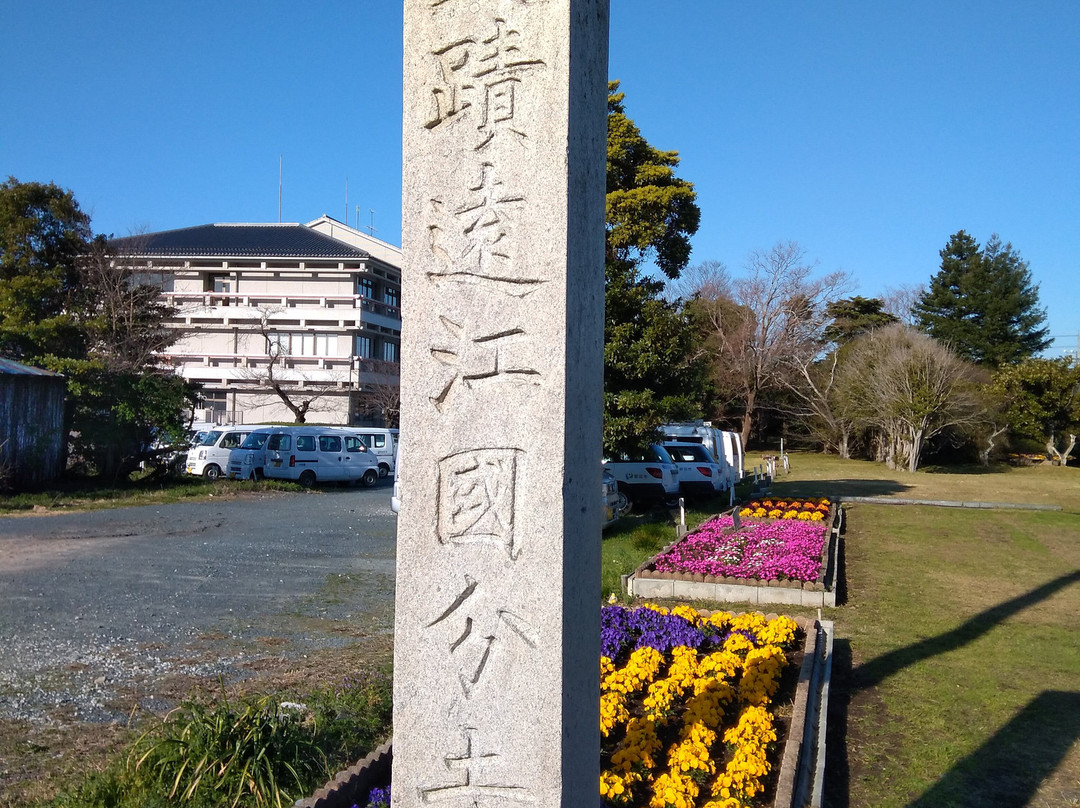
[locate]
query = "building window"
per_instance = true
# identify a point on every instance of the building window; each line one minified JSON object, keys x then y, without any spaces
{"x":363,"y":347}
{"x":301,"y":344}
{"x":366,"y":288}
{"x":390,"y":296}
{"x":220,"y":285}
{"x":390,"y":352}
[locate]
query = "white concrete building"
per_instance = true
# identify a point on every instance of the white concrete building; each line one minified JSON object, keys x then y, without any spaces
{"x":304,"y":312}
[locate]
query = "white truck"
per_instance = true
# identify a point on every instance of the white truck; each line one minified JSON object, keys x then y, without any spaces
{"x":726,"y":447}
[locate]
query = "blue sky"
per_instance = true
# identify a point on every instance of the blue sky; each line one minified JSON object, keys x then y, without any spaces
{"x":867,"y":132}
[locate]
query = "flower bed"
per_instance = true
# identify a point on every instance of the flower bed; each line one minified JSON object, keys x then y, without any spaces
{"x":790,"y":560}
{"x":686,"y":714}
{"x":813,"y":509}
{"x":767,"y":551}
{"x":685,"y":706}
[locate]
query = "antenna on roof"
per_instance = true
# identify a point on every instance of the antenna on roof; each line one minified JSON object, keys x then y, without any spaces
{"x":346,"y":200}
{"x":371,"y":227}
{"x":280,"y":167}
{"x":357,"y":217}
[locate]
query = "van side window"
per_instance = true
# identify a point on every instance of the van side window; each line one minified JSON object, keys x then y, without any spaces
{"x":329,"y":443}
{"x":232,"y":440}
{"x":278,"y":443}
{"x":353,"y":444}
{"x":305,"y":443}
{"x":380,"y":441}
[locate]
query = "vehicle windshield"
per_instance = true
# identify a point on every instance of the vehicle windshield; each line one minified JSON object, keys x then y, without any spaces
{"x":255,"y":440}
{"x":689,"y":453}
{"x":210,"y":438}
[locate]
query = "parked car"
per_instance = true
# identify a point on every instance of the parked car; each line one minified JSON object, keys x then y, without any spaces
{"x":247,"y":461}
{"x":395,"y":496}
{"x":699,"y":473}
{"x":611,"y":499}
{"x":383,"y":442}
{"x":646,"y":478}
{"x":209,"y":457}
{"x":311,"y":454}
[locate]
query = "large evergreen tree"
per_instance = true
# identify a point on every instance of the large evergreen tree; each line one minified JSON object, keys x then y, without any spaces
{"x":650,"y":375}
{"x":67,"y":303}
{"x":854,"y":316}
{"x":42,"y":234}
{"x":983,"y":303}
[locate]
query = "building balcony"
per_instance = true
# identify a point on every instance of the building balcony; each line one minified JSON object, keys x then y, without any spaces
{"x":251,"y":369}
{"x":231,"y":306}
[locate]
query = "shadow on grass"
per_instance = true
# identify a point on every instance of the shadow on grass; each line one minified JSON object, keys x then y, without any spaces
{"x":880,"y":668}
{"x":966,"y":468}
{"x":836,"y":793}
{"x":839,"y":488}
{"x":1009,"y":768}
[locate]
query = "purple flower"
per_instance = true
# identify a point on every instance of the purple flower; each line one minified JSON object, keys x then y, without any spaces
{"x":378,"y":798}
{"x":622,"y":630}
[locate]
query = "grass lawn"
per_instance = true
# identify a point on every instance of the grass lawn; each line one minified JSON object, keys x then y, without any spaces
{"x":957,"y":665}
{"x":86,"y":495}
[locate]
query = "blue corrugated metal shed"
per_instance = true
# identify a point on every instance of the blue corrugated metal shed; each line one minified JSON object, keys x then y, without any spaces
{"x":19,"y":369}
{"x":239,"y":240}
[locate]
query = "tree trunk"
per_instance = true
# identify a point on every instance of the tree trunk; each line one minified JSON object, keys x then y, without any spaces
{"x":748,"y":419}
{"x":844,"y":445}
{"x":984,"y":453}
{"x":1061,"y":457}
{"x":915,"y":449}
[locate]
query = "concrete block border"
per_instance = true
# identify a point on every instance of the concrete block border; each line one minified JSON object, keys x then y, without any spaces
{"x":646,"y":582}
{"x":352,"y":785}
{"x":945,"y":503}
{"x":801,"y":780}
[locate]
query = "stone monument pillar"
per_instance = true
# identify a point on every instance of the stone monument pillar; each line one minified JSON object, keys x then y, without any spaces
{"x":496,"y":682}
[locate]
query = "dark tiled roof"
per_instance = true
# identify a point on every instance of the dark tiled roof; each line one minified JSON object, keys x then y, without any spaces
{"x":235,"y":240}
{"x":10,"y":366}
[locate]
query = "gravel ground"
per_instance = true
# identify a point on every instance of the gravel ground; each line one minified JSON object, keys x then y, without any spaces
{"x":100,"y":605}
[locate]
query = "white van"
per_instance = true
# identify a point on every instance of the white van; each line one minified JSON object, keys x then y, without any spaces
{"x":247,"y":461}
{"x":209,"y":457}
{"x":382,"y":442}
{"x":311,"y":454}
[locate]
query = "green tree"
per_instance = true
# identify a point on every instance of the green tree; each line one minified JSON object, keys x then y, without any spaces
{"x":68,"y":303}
{"x":906,"y":388}
{"x":650,"y":372}
{"x":983,"y":303}
{"x":1041,"y":401}
{"x":763,"y":331}
{"x":854,"y":316}
{"x":42,"y":234}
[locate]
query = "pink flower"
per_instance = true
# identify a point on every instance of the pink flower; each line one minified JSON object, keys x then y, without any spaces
{"x":767,"y":551}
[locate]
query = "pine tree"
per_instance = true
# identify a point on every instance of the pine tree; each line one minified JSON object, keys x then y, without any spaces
{"x":650,"y":375}
{"x":982,"y":302}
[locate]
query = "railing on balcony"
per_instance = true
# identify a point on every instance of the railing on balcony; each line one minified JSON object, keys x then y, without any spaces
{"x":255,"y":300}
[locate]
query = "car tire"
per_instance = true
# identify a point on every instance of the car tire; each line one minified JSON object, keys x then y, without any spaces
{"x":307,"y":478}
{"x":384,"y":470}
{"x":212,"y":472}
{"x":623,"y":505}
{"x":370,"y":477}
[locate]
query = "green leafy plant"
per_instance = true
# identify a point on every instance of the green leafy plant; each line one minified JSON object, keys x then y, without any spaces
{"x":353,"y":714}
{"x":257,"y":751}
